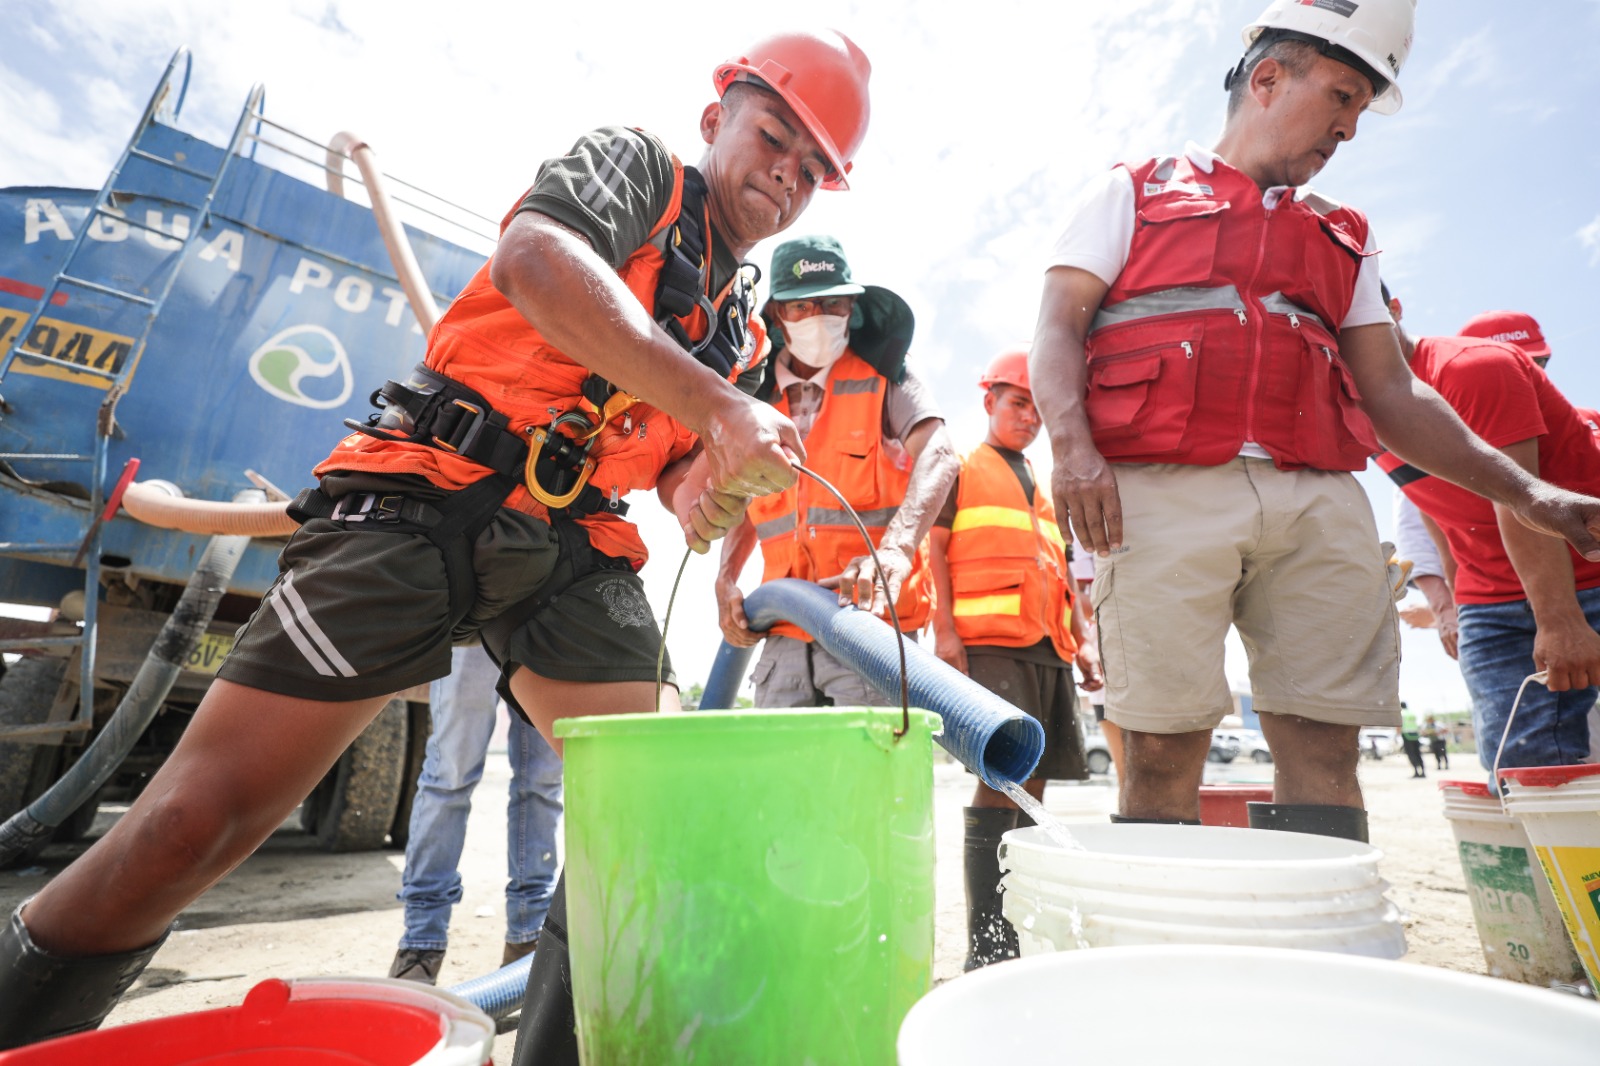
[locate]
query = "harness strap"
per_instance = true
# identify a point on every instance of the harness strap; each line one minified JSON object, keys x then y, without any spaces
{"x":452,"y":523}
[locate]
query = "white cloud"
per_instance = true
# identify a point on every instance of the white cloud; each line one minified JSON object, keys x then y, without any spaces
{"x":1589,"y":237}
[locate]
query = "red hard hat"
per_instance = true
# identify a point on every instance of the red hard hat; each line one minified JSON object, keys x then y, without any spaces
{"x":1010,"y":367}
{"x":823,"y":78}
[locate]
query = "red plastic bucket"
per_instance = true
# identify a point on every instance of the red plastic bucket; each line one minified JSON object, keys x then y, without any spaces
{"x":348,"y":1021}
{"x":1229,"y":804}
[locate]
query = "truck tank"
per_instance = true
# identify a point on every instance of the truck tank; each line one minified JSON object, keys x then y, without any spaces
{"x":206,"y":318}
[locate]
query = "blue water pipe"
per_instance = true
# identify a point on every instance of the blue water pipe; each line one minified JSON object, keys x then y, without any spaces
{"x":993,"y":739}
{"x":499,"y":993}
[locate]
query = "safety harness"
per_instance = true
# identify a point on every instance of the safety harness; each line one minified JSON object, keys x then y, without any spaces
{"x":553,"y":461}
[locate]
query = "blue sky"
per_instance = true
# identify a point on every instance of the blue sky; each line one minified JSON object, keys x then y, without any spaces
{"x":986,"y":122}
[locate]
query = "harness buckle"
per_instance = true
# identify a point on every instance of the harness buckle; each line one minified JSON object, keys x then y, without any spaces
{"x":367,"y":506}
{"x":565,"y":453}
{"x":465,"y":432}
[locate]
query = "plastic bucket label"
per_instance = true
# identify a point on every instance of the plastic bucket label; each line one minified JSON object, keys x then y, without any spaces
{"x":1574,"y":874}
{"x":1505,"y":902}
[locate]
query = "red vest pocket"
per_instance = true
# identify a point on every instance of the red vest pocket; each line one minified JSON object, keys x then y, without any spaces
{"x":1179,"y":237}
{"x":1145,"y":394}
{"x":1331,"y":432}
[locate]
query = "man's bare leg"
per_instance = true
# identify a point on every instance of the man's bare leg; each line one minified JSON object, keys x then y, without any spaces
{"x":545,"y":699}
{"x":1313,"y":762}
{"x":244,"y":763}
{"x":1161,"y":778}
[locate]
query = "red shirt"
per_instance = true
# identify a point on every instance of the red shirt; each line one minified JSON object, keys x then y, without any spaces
{"x":1504,"y":398}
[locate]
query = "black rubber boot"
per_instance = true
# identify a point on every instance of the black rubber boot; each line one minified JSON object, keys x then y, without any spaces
{"x":44,"y":996}
{"x":990,"y":937}
{"x":547,"y":1034}
{"x":1119,"y":819}
{"x":1320,"y":819}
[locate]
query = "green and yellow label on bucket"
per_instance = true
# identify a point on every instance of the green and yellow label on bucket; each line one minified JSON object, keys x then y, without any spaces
{"x":1574,"y":873}
{"x":1500,"y":881}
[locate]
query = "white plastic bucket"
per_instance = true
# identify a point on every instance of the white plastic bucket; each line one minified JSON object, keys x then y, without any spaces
{"x":1519,"y":924}
{"x":1171,"y":884}
{"x":1162,"y":1004}
{"x":1559,"y":807}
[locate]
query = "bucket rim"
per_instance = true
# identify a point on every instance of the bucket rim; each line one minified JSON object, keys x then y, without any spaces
{"x":1353,"y":851}
{"x":737,"y":720}
{"x":1550,"y":776}
{"x":1476,"y":789}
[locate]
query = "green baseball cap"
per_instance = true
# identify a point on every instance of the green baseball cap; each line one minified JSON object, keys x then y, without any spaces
{"x":808,"y":268}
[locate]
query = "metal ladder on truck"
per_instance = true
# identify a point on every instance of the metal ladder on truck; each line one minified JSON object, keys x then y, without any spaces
{"x":104,"y":297}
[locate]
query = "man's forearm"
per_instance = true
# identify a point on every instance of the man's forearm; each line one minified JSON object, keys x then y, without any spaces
{"x":932,"y":474}
{"x":551,"y":275}
{"x":736,"y":549}
{"x":1544,"y":566}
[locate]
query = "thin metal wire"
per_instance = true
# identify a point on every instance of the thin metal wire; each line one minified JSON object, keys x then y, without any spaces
{"x":883,"y":583}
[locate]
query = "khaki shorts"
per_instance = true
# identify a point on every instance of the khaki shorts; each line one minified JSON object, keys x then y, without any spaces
{"x":799,"y":673}
{"x":358,"y":613}
{"x":1291,"y":558}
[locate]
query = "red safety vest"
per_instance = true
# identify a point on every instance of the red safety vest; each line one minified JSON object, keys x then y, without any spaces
{"x":1008,"y":562}
{"x":1223,"y":327}
{"x":803,"y":531}
{"x":484,"y":343}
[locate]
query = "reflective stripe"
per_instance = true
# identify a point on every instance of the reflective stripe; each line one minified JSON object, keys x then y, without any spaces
{"x":1277,"y":303}
{"x":850,"y":386}
{"x":1004,"y":517}
{"x":969,"y":606}
{"x":1168,"y":302}
{"x":1053,"y":531}
{"x":827,"y":516}
{"x":775,"y":527}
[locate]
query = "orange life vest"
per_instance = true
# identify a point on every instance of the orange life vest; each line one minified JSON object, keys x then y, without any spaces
{"x":1223,"y":327}
{"x":803,"y":531}
{"x":1008,"y":562}
{"x":483,"y":342}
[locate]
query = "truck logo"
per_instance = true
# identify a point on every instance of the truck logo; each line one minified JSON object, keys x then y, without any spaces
{"x":304,"y":365}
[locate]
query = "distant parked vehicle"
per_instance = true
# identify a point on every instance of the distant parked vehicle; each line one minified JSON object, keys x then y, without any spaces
{"x":1378,"y":741}
{"x":1250,"y":744}
{"x":1096,"y":752}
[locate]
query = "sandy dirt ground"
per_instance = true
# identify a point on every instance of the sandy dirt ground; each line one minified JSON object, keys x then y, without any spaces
{"x":293,"y":911}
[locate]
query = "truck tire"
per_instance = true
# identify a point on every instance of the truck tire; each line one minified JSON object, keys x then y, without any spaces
{"x":354,"y":806}
{"x":1099,"y":762}
{"x":420,"y":725}
{"x":27,"y":689}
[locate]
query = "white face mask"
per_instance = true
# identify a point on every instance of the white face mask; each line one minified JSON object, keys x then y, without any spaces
{"x":818,"y":341}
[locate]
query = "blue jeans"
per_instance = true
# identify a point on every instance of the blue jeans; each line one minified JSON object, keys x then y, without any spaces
{"x":463,"y":719}
{"x":1496,"y":645}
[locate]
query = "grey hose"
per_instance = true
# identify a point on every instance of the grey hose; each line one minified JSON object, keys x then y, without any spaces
{"x":178,"y":637}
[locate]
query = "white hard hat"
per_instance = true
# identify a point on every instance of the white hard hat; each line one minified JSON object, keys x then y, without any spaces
{"x":1375,"y":33}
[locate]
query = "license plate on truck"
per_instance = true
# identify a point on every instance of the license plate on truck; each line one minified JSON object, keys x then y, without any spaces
{"x":208,"y":654}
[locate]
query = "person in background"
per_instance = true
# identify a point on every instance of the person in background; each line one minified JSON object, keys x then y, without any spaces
{"x":1526,"y":602}
{"x":464,"y":710}
{"x":1438,"y":743}
{"x":1005,"y":615}
{"x":873,"y":430}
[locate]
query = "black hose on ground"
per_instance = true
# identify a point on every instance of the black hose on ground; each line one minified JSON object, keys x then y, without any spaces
{"x":178,"y":637}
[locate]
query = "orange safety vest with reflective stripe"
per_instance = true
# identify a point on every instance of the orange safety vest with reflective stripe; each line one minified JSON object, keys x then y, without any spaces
{"x":803,"y":531}
{"x":483,"y":342}
{"x":1008,"y":562}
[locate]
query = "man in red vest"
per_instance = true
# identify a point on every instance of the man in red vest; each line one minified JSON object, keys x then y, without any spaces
{"x":873,"y":431}
{"x":1525,"y":602}
{"x":1213,"y":359}
{"x":600,"y":350}
{"x":1005,"y":616}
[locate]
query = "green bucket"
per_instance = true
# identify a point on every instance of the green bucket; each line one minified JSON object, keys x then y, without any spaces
{"x":748,"y":886}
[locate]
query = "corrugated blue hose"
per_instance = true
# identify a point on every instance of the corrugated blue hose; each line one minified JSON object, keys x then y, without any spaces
{"x":995,"y":740}
{"x":499,"y":993}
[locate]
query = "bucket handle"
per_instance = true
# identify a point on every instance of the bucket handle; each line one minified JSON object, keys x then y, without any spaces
{"x":1542,"y":677}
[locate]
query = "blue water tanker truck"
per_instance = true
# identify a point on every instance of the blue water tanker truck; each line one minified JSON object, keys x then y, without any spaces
{"x":177,"y":350}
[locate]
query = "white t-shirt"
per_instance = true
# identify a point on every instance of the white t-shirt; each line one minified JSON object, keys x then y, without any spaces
{"x":1411,"y":540}
{"x":1099,"y":232}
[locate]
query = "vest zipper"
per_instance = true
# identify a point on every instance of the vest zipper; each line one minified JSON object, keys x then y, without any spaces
{"x":1188,"y":350}
{"x":1253,"y":336}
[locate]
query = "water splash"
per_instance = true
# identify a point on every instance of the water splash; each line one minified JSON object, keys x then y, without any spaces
{"x":1042,"y":818}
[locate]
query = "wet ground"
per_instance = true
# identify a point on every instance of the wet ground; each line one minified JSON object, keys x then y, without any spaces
{"x":292,"y":910}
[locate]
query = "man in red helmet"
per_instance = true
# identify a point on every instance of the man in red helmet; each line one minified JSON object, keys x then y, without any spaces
{"x":1004,"y":615}
{"x":1524,"y":601}
{"x":1213,"y":360}
{"x":600,"y":350}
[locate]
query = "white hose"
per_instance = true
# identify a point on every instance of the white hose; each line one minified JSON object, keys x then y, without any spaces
{"x":161,"y":504}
